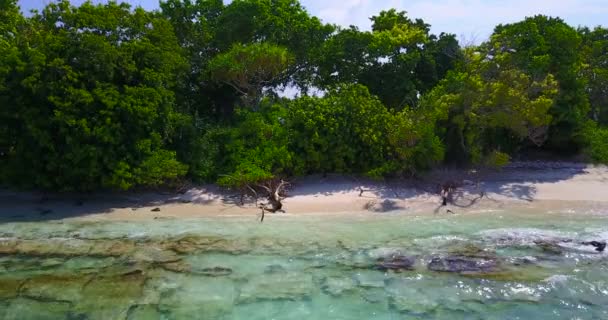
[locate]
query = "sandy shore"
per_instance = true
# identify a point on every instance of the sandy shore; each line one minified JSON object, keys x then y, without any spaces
{"x":533,"y":185}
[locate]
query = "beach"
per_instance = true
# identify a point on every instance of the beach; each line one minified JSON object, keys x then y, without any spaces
{"x":522,"y":185}
{"x":525,"y":241}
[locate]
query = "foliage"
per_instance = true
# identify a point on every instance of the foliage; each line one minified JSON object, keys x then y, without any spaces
{"x":251,"y":68}
{"x":596,"y":143}
{"x":539,"y":46}
{"x":595,"y":71}
{"x":496,"y":159}
{"x":346,"y":131}
{"x":492,"y":106}
{"x":413,"y":141}
{"x":10,"y":21}
{"x":207,"y":28}
{"x":343,"y":132}
{"x":398,"y":60}
{"x":256,"y":149}
{"x":284,"y":23}
{"x":110,"y":96}
{"x":93,"y":99}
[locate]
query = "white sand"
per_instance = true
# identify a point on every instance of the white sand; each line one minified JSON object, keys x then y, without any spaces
{"x":548,"y":188}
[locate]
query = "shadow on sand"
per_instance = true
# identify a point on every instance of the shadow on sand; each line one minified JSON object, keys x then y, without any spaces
{"x":516,"y":183}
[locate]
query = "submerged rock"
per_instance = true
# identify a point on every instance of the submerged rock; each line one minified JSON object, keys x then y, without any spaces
{"x":198,"y":297}
{"x":471,"y":250}
{"x":559,"y":247}
{"x":47,"y":247}
{"x":191,"y":244}
{"x":112,"y":248}
{"x":370,"y":279}
{"x":177,"y":266}
{"x":111,"y":297}
{"x":52,"y":287}
{"x":144,"y":312}
{"x":275,"y":268}
{"x":599,"y":246}
{"x":462,"y":264}
{"x":9,"y":287}
{"x":396,"y":263}
{"x":51,"y":263}
{"x":155,"y":255}
{"x":374,"y":295}
{"x":355,"y":260}
{"x":215,"y":272}
{"x":8,"y":245}
{"x":413,"y":302}
{"x":336,"y":286}
{"x":289,"y":286}
{"x":29,"y":309}
{"x":551,"y":247}
{"x":66,"y":247}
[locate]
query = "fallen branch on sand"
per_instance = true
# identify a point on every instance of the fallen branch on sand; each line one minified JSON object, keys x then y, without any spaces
{"x":361,"y":191}
{"x":275,"y":195}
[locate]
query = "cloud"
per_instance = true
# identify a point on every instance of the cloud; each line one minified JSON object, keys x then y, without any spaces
{"x":468,"y":18}
{"x":471,"y":18}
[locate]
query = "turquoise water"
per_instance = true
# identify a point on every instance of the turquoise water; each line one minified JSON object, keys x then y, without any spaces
{"x":492,"y":265}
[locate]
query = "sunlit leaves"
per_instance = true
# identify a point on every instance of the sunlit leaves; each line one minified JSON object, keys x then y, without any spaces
{"x":94,"y":99}
{"x":539,"y":46}
{"x":250,"y":68}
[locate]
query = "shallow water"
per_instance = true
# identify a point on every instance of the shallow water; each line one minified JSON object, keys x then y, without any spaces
{"x":491,"y":265}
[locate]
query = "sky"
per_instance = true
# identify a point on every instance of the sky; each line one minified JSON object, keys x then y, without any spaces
{"x":471,"y":20}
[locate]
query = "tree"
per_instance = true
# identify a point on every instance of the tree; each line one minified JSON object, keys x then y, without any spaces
{"x":251,"y":68}
{"x":398,"y":60}
{"x":284,"y":23}
{"x":93,"y":99}
{"x":595,"y":71}
{"x":11,"y":21}
{"x":492,"y":106}
{"x":195,"y":23}
{"x":253,"y":151}
{"x":343,"y":132}
{"x":539,"y":46}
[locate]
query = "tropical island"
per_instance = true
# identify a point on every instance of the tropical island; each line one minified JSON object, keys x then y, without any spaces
{"x":246,"y":160}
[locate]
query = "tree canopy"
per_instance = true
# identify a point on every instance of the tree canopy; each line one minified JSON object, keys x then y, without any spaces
{"x":113,"y":96}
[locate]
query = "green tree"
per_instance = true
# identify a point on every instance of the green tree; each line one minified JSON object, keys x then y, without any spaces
{"x":207,"y":28}
{"x":258,"y":148}
{"x":11,"y":21}
{"x":281,"y":22}
{"x":413,"y":141}
{"x":595,"y":71}
{"x":343,"y":132}
{"x":398,"y":60}
{"x":250,"y":68}
{"x":540,"y":46}
{"x":596,"y":142}
{"x":94,"y":99}
{"x":492,"y":107}
{"x":195,"y":24}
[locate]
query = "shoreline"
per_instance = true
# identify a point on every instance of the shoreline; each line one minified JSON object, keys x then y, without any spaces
{"x":519,"y":186}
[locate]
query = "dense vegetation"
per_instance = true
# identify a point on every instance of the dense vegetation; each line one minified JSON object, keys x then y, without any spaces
{"x":109,"y":96}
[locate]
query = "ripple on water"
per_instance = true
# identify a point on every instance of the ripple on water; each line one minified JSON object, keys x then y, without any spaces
{"x":301,"y":268}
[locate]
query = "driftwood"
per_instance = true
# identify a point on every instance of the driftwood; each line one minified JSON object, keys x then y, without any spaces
{"x":447,"y":192}
{"x":599,"y":246}
{"x":361,"y":190}
{"x":451,"y":187}
{"x":275,"y":194}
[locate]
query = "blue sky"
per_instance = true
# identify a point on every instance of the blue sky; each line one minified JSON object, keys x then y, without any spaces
{"x":470,"y":20}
